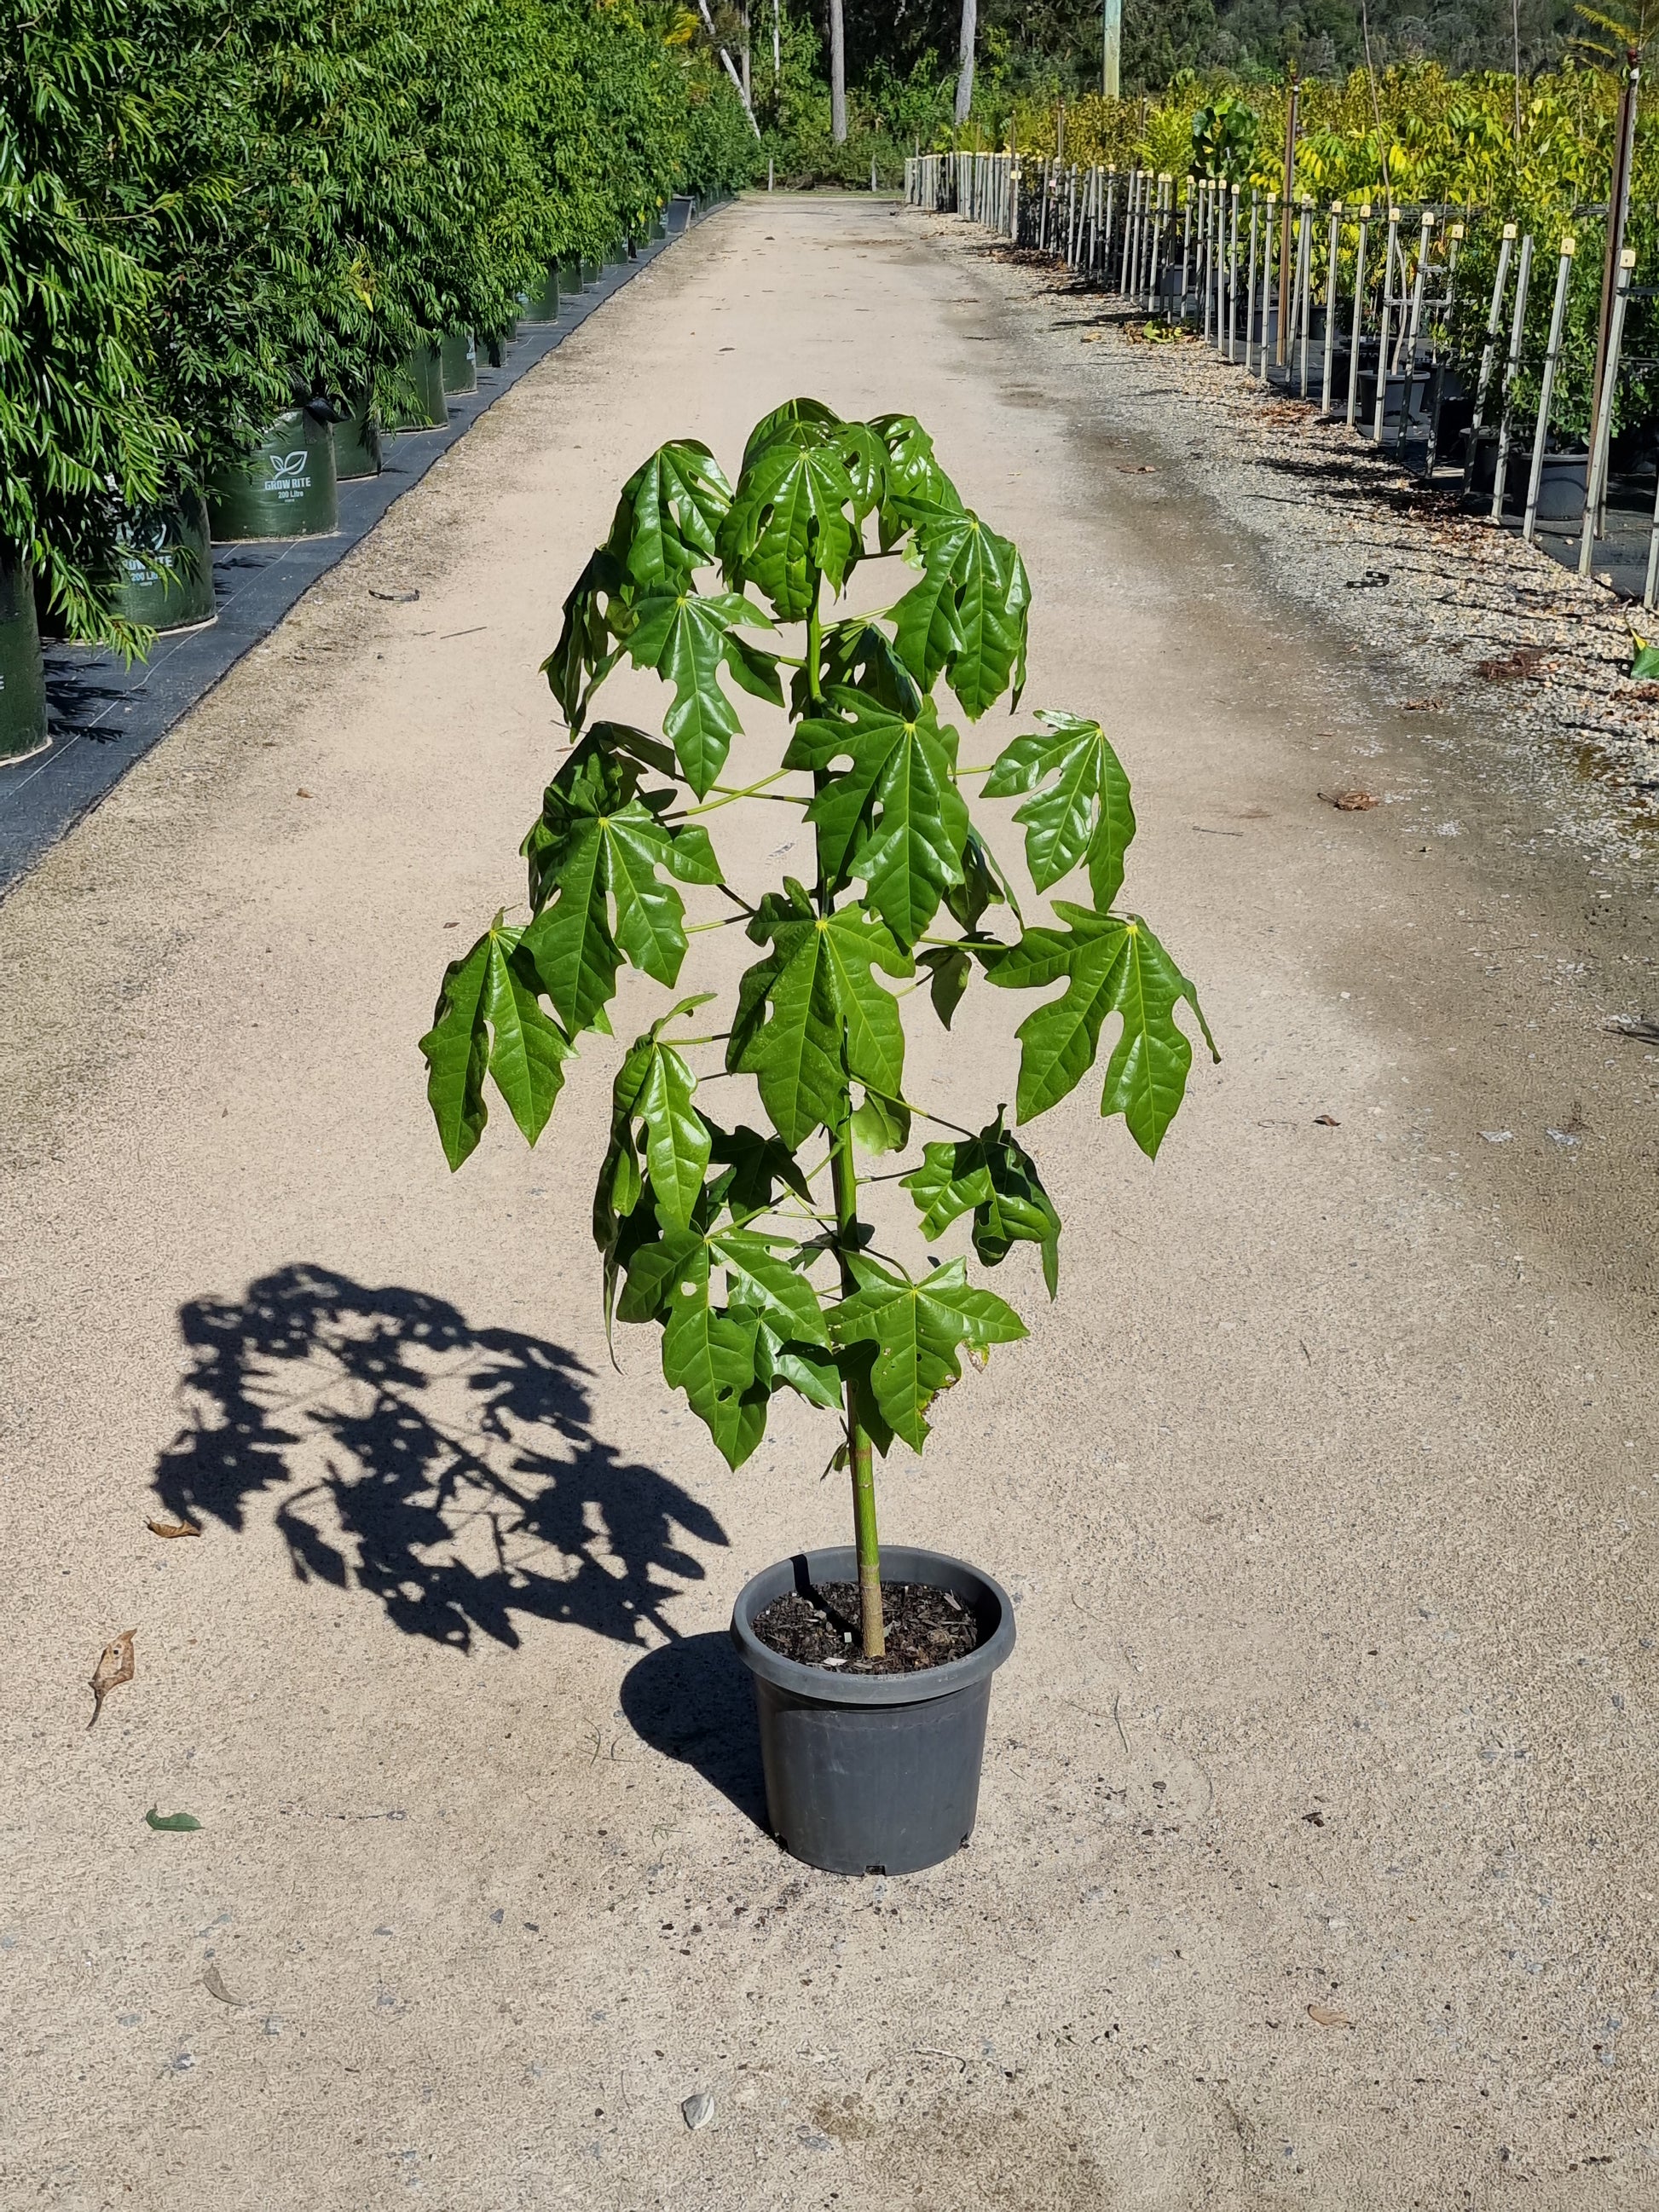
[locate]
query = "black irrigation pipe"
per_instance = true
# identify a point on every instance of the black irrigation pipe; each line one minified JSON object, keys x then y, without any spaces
{"x":104,"y":715}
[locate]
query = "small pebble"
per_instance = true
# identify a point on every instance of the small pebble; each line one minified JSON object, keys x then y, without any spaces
{"x":698,"y":2111}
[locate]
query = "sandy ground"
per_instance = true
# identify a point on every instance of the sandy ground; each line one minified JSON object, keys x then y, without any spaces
{"x":1326,"y":1489}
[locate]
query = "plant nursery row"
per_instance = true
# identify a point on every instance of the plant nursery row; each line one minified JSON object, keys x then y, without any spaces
{"x":242,"y":246}
{"x":1453,"y":267}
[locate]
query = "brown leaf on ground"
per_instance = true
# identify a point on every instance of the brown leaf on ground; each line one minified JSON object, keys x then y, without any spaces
{"x":1525,"y":660}
{"x":114,"y":1667}
{"x":1328,"y":2016}
{"x":1349,"y":802}
{"x":1422,"y":706}
{"x":172,"y":1528}
{"x":214,"y":1982}
{"x":1326,"y":1122}
{"x":303,"y":793}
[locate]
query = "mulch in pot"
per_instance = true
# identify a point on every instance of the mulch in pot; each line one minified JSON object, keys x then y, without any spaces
{"x":926,"y":1627}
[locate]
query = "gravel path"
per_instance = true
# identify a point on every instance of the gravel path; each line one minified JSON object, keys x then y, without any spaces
{"x":1316,"y":1862}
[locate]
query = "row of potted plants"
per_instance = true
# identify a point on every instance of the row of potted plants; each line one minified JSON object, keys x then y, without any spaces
{"x":214,"y":216}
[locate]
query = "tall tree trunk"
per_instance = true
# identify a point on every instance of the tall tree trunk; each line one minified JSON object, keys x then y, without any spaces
{"x":838,"y":73}
{"x":965,"y":73}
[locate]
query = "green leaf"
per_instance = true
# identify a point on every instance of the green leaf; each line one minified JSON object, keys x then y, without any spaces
{"x":677,"y":1142}
{"x":709,"y":1354}
{"x":1111,"y":965}
{"x":918,"y":1329}
{"x":881,"y":1125}
{"x":812,"y":1013}
{"x":686,"y":637}
{"x":760,"y":1166}
{"x":488,"y":1021}
{"x":895,"y":819}
{"x":951,"y":967}
{"x":586,"y":652}
{"x":993,"y":1176}
{"x":788,"y":518}
{"x":993,"y":603}
{"x":1084,"y":810}
{"x":866,"y":459}
{"x":669,"y":515}
{"x":783,"y":423}
{"x":983,"y":884}
{"x":783,"y":1297}
{"x":570,"y":941}
{"x":811,"y":1373}
{"x":177,"y":1824}
{"x":1644,"y":669}
{"x":926,"y":634}
{"x":650,"y":914}
{"x":917,"y":490}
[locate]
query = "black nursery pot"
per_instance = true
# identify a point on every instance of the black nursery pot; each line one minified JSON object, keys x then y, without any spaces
{"x":873,"y":1774}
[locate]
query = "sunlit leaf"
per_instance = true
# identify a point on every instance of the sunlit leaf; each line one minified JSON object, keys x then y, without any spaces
{"x":917,"y":1328}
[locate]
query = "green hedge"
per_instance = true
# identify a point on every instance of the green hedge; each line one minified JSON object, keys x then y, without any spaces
{"x":211,"y":208}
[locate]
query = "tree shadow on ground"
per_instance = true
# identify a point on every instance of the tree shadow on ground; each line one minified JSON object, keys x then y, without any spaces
{"x":451,"y":1472}
{"x":692,"y":1701}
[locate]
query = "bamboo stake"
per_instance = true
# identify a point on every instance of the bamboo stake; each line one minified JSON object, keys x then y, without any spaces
{"x":1547,"y":386}
{"x":1523,"y":275}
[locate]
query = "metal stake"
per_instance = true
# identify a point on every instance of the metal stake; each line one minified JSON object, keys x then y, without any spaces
{"x":1603,"y":438}
{"x":1523,"y":276}
{"x":1546,"y":387}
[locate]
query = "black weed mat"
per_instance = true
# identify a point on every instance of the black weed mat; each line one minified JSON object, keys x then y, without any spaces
{"x":104,"y":716}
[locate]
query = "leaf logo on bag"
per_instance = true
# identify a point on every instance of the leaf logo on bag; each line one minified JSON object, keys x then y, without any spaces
{"x":287,"y":464}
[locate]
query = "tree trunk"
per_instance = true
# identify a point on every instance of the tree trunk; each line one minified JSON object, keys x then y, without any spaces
{"x":965,"y":73}
{"x":838,"y":73}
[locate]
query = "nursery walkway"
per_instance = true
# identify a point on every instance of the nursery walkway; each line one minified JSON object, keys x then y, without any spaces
{"x":1317,"y":1858}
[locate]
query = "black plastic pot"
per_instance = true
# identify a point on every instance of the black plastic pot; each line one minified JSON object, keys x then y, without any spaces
{"x":163,"y":576}
{"x":360,"y":443}
{"x":424,"y":369}
{"x":873,"y":1774}
{"x":22,"y":676}
{"x":460,"y":362}
{"x":499,"y":342}
{"x":1561,"y":486}
{"x":572,"y":278}
{"x":285,"y":488}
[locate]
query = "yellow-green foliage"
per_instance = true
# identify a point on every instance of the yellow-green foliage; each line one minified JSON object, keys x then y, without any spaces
{"x":1413,"y":132}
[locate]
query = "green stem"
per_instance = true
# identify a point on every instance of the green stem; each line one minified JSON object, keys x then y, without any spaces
{"x":844,"y":1178}
{"x":859,"y":1451}
{"x":749,"y":790}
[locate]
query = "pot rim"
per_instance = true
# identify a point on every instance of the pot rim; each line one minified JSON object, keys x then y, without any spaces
{"x":904,"y":1563}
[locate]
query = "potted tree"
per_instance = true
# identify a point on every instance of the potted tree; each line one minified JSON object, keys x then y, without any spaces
{"x":748,"y":1247}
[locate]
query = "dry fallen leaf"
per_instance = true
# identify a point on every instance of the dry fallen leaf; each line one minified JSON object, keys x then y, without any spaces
{"x":1326,"y":1122}
{"x":1423,"y":705}
{"x":1525,"y":660}
{"x":1328,"y":2016}
{"x":173,"y":1528}
{"x":214,"y":1982}
{"x":114,"y":1667}
{"x":303,"y":793}
{"x":1349,"y":802}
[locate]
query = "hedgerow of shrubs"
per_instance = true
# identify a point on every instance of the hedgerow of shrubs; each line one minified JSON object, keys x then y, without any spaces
{"x":211,"y":209}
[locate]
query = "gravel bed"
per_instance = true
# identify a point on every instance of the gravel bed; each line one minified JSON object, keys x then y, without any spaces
{"x":1455,"y":618}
